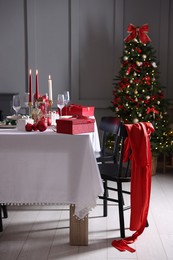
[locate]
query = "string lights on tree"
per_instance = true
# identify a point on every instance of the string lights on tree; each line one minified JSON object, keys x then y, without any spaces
{"x":137,"y":93}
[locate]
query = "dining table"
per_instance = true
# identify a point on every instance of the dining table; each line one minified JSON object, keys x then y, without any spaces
{"x":48,"y":168}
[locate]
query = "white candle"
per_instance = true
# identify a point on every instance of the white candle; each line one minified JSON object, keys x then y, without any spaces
{"x":50,"y":87}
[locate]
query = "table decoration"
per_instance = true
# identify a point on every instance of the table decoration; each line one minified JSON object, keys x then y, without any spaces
{"x":75,"y":125}
{"x":40,"y":105}
{"x":75,"y":109}
{"x":42,"y":109}
{"x":54,"y":115}
{"x":50,"y":91}
{"x":30,"y":92}
{"x":36,"y":96}
{"x":41,"y":125}
{"x":21,"y":122}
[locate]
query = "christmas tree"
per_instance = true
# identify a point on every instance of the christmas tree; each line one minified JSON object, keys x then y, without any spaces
{"x":138,"y":94}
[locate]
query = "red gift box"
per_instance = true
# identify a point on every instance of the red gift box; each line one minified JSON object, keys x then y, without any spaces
{"x":74,"y":126}
{"x":78,"y":110}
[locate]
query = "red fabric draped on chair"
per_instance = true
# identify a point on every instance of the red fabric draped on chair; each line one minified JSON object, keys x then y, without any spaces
{"x":139,"y":142}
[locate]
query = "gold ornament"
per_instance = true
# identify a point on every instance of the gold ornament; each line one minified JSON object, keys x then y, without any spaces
{"x":138,"y":63}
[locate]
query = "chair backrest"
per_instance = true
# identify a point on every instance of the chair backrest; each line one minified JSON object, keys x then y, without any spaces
{"x":109,"y":127}
{"x":123,"y":167}
{"x":112,"y":128}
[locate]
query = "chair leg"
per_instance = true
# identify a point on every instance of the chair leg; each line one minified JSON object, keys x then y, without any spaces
{"x":105,"y":202}
{"x":5,"y":213}
{"x":121,"y":211}
{"x":1,"y":226}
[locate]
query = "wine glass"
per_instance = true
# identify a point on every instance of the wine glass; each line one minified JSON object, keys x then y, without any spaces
{"x":26,"y":102}
{"x":60,"y":103}
{"x":16,"y":104}
{"x":66,"y":99}
{"x":26,"y":99}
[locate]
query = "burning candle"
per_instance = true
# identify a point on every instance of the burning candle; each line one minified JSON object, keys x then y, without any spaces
{"x":50,"y":87}
{"x":37,"y":92}
{"x":30,"y":86}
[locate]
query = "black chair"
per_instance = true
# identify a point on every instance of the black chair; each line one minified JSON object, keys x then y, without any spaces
{"x":3,"y":209}
{"x":107,"y":131}
{"x":114,"y":169}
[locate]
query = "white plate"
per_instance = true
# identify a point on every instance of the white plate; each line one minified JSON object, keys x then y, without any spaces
{"x":14,"y":117}
{"x":7,"y":126}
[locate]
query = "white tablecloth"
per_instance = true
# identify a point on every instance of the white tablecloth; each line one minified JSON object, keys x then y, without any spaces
{"x":49,"y":168}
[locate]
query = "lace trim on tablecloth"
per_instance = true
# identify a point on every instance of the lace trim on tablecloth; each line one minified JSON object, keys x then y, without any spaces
{"x":81,"y":212}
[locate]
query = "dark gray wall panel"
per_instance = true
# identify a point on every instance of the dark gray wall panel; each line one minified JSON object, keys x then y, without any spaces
{"x":12,"y":46}
{"x":94,"y":45}
{"x":48,"y":43}
{"x":78,"y":42}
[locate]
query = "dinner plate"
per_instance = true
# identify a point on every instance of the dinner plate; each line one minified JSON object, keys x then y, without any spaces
{"x":13,"y":117}
{"x":7,"y":126}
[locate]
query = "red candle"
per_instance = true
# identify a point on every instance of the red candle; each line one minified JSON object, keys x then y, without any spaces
{"x":37,"y":92}
{"x":30,"y":86}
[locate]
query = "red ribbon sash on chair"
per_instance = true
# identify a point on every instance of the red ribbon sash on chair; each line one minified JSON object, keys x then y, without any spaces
{"x":141,"y":32}
{"x":139,"y":142}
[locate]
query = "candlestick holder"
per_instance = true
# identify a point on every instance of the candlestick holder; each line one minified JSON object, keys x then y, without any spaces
{"x":50,"y":103}
{"x":30,"y":105}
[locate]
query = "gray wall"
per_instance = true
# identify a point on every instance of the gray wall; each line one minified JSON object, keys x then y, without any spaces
{"x":78,"y":42}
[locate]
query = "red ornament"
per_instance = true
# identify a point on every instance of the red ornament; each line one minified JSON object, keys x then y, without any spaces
{"x":34,"y":127}
{"x":42,"y":125}
{"x":28,"y":127}
{"x":138,"y":50}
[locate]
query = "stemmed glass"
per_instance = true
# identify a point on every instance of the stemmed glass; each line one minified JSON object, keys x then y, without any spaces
{"x":60,"y":103}
{"x":66,"y":99}
{"x":16,"y":104}
{"x":26,"y":99}
{"x":26,"y":102}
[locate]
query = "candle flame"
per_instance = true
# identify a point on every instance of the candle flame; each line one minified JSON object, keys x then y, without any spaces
{"x":49,"y":76}
{"x":36,"y":71}
{"x":30,"y":71}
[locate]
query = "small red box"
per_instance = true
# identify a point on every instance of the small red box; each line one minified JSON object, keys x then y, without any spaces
{"x":78,"y":110}
{"x":74,"y":126}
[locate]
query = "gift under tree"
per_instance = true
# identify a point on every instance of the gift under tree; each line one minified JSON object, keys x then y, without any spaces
{"x":138,"y":94}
